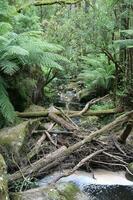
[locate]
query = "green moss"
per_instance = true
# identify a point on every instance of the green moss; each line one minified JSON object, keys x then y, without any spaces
{"x":69,"y":190}
{"x":129,"y":176}
{"x":53,"y":194}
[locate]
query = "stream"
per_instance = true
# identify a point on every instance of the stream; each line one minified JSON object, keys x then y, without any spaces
{"x":99,"y":185}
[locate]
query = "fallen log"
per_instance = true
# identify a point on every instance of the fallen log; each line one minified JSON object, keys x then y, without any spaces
{"x":36,"y":166}
{"x":61,"y":153}
{"x":96,"y":113}
{"x":70,"y":113}
{"x":32,"y":114}
{"x":89,"y":104}
{"x":61,"y":122}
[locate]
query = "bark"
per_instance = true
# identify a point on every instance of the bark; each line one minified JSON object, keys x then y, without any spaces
{"x":36,"y":166}
{"x":61,"y":153}
{"x":61,"y":122}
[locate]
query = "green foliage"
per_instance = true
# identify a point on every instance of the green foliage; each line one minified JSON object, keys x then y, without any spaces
{"x":97,"y":73}
{"x":23,"y":48}
{"x":103,"y":106}
{"x":6,"y":107}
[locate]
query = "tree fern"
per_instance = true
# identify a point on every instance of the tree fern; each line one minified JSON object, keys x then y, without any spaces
{"x":24,"y":50}
{"x":100,"y":76}
{"x":6,"y":107}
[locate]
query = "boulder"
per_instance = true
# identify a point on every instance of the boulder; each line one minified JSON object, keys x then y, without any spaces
{"x":62,"y":191}
{"x":13,"y":139}
{"x":3,"y":180}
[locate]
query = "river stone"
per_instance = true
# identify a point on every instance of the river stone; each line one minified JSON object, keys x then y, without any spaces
{"x":62,"y":191}
{"x":3,"y":180}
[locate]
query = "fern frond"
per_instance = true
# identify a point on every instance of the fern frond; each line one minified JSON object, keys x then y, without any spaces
{"x":8,"y":67}
{"x":6,"y":107}
{"x":15,"y":50}
{"x":5,"y":27}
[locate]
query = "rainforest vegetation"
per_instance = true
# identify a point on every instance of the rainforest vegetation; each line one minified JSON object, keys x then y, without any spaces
{"x":66,"y":76}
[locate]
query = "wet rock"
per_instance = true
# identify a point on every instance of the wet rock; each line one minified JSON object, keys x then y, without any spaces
{"x":3,"y":180}
{"x":129,"y":172}
{"x":62,"y":191}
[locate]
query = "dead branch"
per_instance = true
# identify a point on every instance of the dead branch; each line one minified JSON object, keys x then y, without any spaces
{"x":89,"y":104}
{"x":61,"y":121}
{"x":35,"y":150}
{"x":61,"y":153}
{"x":36,"y":166}
{"x":50,"y":138}
{"x":81,"y":163}
{"x":115,"y":157}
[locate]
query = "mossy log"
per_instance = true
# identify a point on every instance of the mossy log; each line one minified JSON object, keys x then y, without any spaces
{"x":45,"y":2}
{"x":50,"y":2}
{"x":70,"y":113}
{"x":62,"y":122}
{"x":64,"y":151}
{"x":36,"y":166}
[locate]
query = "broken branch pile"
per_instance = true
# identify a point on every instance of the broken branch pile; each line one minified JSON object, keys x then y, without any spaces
{"x":70,"y":144}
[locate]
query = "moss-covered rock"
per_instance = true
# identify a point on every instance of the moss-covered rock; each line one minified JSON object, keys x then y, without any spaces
{"x":3,"y":180}
{"x":34,"y":108}
{"x":13,"y":138}
{"x":67,"y":191}
{"x":129,"y":172}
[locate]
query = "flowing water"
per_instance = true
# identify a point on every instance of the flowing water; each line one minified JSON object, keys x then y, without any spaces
{"x":101,"y":185}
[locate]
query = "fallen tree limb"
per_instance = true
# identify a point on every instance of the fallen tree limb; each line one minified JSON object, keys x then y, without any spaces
{"x":89,"y":104}
{"x":50,"y":138}
{"x":61,"y":153}
{"x":61,"y":121}
{"x":96,"y":113}
{"x":35,"y":150}
{"x":81,"y":163}
{"x":71,"y":113}
{"x":36,"y":166}
{"x":32,"y":114}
